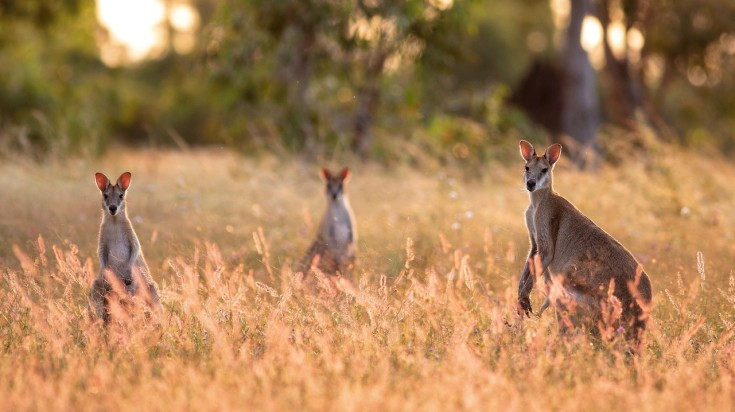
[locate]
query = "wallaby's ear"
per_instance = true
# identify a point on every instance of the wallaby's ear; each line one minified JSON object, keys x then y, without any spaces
{"x":553,"y":153}
{"x":345,"y":174}
{"x":325,"y":173}
{"x":124,"y":180}
{"x":527,"y":150}
{"x":102,"y":181}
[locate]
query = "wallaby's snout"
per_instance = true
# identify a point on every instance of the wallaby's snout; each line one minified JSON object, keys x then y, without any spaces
{"x":537,"y":174}
{"x":334,"y":188}
{"x":113,"y":201}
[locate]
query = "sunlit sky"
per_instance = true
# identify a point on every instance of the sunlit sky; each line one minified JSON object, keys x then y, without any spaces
{"x":138,"y":29}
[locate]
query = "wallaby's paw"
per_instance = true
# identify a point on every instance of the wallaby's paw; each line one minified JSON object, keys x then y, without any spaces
{"x":524,"y":307}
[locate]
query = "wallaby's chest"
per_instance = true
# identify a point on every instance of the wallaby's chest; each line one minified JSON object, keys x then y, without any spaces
{"x":118,"y":246}
{"x":337,"y":227}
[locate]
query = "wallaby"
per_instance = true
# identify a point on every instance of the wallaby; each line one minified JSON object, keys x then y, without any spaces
{"x":336,"y":240}
{"x":593,"y":269}
{"x":121,"y":259}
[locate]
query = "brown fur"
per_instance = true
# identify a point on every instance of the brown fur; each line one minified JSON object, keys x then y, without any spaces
{"x":336,"y":240}
{"x":598,"y":283}
{"x":122,"y":265}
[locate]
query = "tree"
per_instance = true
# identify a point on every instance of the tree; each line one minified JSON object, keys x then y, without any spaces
{"x":580,"y":108}
{"x":278,"y":54}
{"x":45,"y":78}
{"x":683,"y":44}
{"x":625,"y":94}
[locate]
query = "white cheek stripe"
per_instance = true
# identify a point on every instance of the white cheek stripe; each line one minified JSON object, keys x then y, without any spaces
{"x":543,"y":181}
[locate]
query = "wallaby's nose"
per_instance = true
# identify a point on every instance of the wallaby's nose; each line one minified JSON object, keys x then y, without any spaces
{"x":113,"y":209}
{"x":530,"y":185}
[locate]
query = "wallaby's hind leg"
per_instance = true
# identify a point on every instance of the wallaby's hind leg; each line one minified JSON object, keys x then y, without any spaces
{"x":545,"y":305}
{"x":145,"y":287}
{"x":98,"y":299}
{"x":155,"y":299}
{"x":635,"y":329}
{"x":575,"y":309}
{"x":344,"y":265}
{"x":639,"y":312}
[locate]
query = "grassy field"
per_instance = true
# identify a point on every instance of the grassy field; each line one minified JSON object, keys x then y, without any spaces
{"x":427,"y":323}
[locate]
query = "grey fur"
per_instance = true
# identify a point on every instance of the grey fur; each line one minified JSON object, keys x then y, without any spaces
{"x":119,"y":251}
{"x":578,"y":255}
{"x":336,"y":240}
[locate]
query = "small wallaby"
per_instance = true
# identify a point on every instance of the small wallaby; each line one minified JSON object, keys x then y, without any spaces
{"x":588,"y":263}
{"x":121,"y":259}
{"x":336,"y":240}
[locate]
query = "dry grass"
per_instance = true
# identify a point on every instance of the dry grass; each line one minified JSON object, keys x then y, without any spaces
{"x":428,"y":322}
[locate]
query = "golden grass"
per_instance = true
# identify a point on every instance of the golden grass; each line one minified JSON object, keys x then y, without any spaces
{"x":428,"y":322}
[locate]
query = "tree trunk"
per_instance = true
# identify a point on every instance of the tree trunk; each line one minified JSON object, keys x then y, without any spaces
{"x":624,"y":90}
{"x":301,"y":71}
{"x":540,"y":94}
{"x":368,"y":98}
{"x":581,"y":112}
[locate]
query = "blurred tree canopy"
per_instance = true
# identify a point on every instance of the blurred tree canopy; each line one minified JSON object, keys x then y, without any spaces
{"x":367,"y":75}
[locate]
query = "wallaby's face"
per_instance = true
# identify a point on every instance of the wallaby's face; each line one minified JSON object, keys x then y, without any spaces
{"x":336,"y":183}
{"x":537,"y":173}
{"x":113,"y":196}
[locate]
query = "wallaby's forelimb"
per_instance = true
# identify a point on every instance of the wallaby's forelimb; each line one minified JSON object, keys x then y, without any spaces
{"x":525,"y":285}
{"x":543,"y":307}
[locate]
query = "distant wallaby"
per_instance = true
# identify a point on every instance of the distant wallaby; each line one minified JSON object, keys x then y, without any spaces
{"x":336,"y":240}
{"x":121,"y":259}
{"x":594,"y":271}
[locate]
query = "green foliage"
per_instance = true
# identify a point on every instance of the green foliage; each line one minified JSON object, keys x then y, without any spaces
{"x":48,"y":83}
{"x":315,"y":76}
{"x":695,"y":44}
{"x":41,"y":13}
{"x":304,"y":68}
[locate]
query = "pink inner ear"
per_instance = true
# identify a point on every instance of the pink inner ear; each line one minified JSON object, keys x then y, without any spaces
{"x":325,"y":173}
{"x":553,"y":153}
{"x":345,"y":173}
{"x":527,"y":150}
{"x":124,"y":180}
{"x":101,"y":180}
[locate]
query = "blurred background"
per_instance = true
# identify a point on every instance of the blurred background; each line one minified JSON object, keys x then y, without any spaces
{"x":381,"y":79}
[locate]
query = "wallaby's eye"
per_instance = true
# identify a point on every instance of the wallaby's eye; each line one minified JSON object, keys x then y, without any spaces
{"x":544,"y":170}
{"x":527,"y":168}
{"x":121,"y":196}
{"x":105,"y":197}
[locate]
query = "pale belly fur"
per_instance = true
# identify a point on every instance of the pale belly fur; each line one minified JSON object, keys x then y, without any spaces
{"x":118,"y":255}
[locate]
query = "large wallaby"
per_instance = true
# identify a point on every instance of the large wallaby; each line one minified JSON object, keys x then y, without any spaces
{"x":121,"y":259}
{"x":336,"y":240}
{"x":594,"y":271}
